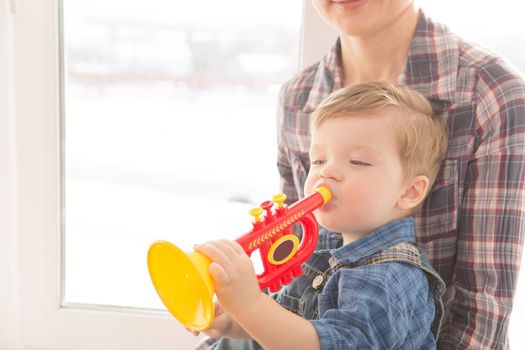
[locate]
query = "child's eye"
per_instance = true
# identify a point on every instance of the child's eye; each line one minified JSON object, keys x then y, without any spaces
{"x":317,"y":162}
{"x":359,"y":163}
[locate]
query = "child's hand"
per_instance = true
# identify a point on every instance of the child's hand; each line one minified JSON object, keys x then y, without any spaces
{"x":233,"y":275}
{"x":222,"y":324}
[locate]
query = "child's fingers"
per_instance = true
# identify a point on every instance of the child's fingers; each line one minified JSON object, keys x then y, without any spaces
{"x":195,"y":333}
{"x":219,"y":275}
{"x":221,"y":325}
{"x":214,"y":252}
{"x":232,"y":249}
{"x":233,"y":246}
{"x":212,"y":333}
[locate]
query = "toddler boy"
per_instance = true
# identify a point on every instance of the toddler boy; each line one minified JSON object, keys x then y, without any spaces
{"x":378,"y":148}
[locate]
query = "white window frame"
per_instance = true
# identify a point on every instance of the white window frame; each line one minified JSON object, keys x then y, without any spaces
{"x":32,"y":195}
{"x":44,"y":323}
{"x":8,"y":273}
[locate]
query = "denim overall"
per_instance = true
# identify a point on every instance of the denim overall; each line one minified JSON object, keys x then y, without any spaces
{"x":300,"y":297}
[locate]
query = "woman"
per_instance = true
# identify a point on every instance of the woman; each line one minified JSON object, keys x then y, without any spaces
{"x":473,"y":221}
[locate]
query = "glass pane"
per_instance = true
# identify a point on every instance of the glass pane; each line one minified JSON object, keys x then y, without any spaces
{"x":169,"y":131}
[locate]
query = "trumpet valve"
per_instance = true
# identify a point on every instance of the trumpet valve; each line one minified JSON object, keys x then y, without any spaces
{"x":281,"y":209}
{"x":279,"y":199}
{"x":267,"y":206}
{"x":256,"y":213}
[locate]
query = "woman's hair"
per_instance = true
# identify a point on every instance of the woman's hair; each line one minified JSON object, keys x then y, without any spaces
{"x":420,"y":136}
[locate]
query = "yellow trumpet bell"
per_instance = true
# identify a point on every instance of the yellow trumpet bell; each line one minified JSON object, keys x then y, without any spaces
{"x":183,"y":284}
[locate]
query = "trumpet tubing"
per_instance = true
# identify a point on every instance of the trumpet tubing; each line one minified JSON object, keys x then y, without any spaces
{"x":274,"y":234}
{"x":182,"y":280}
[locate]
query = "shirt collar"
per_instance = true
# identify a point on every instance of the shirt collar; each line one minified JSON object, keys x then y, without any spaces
{"x":433,"y":60}
{"x":328,"y":78}
{"x":395,"y":232}
{"x":431,"y":67}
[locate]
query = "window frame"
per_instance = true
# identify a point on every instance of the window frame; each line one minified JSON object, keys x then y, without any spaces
{"x":43,"y":322}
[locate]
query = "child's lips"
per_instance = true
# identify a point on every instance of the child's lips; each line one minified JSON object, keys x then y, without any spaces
{"x":328,"y":205}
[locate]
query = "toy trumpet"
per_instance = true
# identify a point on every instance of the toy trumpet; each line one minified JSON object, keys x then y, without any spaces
{"x":182,"y":280}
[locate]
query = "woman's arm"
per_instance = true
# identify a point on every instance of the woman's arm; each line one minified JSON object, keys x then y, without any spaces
{"x":491,"y":217}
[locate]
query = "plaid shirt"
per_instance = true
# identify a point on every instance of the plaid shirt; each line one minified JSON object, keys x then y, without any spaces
{"x":471,"y":225}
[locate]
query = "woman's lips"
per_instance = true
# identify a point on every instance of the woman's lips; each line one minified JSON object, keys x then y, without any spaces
{"x":347,"y":4}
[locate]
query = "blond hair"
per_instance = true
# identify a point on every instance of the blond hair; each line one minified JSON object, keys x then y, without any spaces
{"x":421,"y":136}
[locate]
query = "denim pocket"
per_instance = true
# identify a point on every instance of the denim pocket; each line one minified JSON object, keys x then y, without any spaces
{"x":300,"y":297}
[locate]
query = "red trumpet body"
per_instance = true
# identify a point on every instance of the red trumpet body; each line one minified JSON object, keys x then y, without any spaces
{"x":182,"y":280}
{"x":281,"y":251}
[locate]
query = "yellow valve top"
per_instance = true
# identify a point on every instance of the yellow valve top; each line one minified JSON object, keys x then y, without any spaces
{"x":279,"y":199}
{"x":256,"y":213}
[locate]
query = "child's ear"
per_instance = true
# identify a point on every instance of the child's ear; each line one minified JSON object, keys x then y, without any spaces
{"x":414,"y":192}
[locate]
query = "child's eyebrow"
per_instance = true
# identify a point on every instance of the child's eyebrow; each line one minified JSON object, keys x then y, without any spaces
{"x":364,"y":148}
{"x":352,"y":147}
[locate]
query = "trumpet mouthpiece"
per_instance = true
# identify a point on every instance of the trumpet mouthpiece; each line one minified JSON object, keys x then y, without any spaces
{"x":325,"y":193}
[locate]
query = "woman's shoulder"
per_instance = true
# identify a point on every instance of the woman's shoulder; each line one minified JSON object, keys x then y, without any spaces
{"x":480,"y":58}
{"x":473,"y":65}
{"x":488,"y":66}
{"x":446,"y":42}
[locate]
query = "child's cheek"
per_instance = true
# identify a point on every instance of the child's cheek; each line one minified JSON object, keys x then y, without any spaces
{"x":309,"y":183}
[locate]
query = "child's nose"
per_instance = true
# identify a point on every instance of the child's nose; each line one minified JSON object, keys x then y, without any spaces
{"x":329,"y":171}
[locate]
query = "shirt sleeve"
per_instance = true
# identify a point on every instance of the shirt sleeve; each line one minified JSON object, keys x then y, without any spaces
{"x":491,"y":217}
{"x":372,"y":307}
{"x":283,"y":156}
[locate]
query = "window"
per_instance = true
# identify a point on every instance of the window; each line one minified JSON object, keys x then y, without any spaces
{"x":52,"y":166}
{"x":169,"y":131}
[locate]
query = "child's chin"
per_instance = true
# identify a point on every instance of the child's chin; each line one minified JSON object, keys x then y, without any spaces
{"x":325,"y":222}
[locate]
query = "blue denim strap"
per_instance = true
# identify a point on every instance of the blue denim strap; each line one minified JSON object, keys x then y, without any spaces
{"x":410,"y":254}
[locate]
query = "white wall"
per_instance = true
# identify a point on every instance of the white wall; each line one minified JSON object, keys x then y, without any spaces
{"x":8,"y":246}
{"x":321,"y":36}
